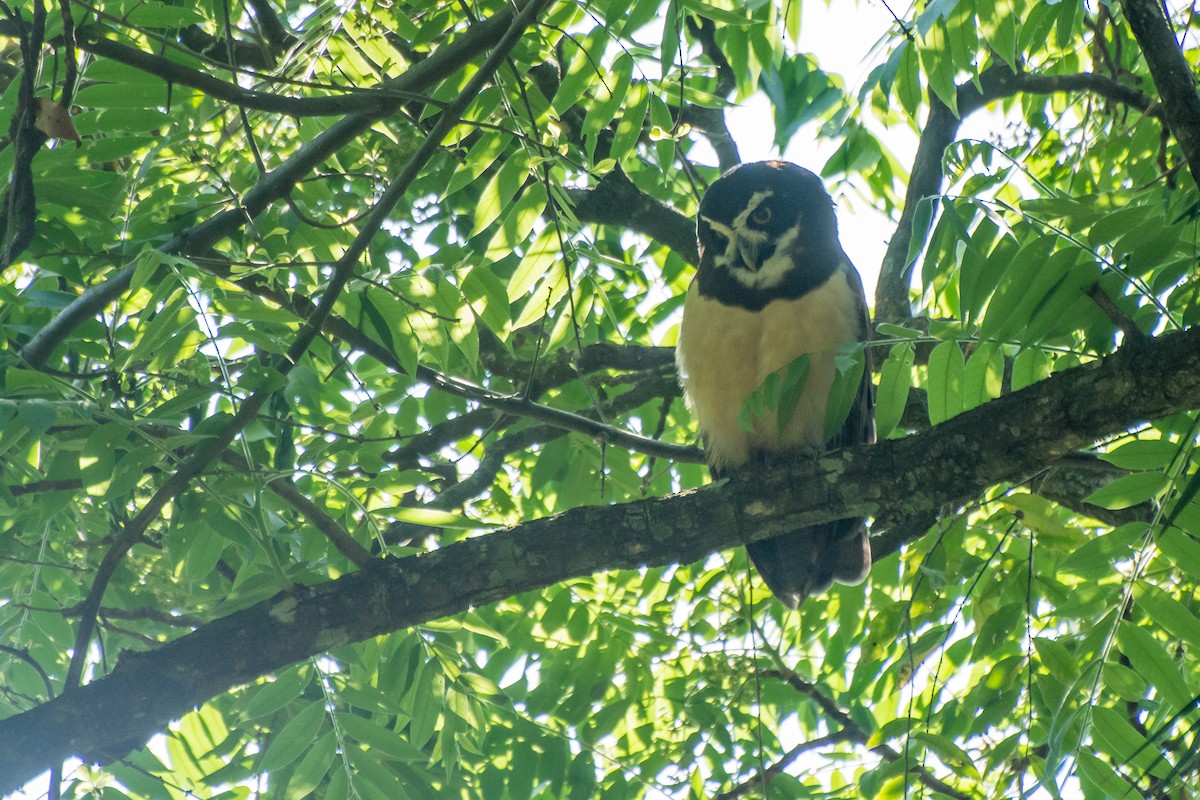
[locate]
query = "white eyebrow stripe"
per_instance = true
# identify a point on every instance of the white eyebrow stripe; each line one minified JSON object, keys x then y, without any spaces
{"x":719,"y":227}
{"x":756,"y":199}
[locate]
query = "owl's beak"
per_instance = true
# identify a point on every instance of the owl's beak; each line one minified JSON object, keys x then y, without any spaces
{"x":749,"y":252}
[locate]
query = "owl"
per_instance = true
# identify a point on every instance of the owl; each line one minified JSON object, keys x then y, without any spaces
{"x":773,"y":285}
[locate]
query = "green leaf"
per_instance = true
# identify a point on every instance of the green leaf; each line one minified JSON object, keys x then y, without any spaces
{"x":944,"y":386}
{"x":479,"y":158}
{"x":610,"y":96}
{"x":383,"y":741}
{"x":1068,"y":17}
{"x":1124,"y":743}
{"x":313,"y":768}
{"x":983,"y":375}
{"x":519,"y":221}
{"x":629,"y":129}
{"x":294,"y":738}
{"x":709,"y":11}
{"x":1056,"y":658}
{"x":285,"y":687}
{"x":98,"y":458}
{"x":936,"y":58}
{"x":1173,"y":616}
{"x":152,"y":14}
{"x":951,"y":754}
{"x":1128,"y":685}
{"x":1142,"y":454}
{"x":1032,"y":274}
{"x":908,"y":81}
{"x":895,"y":381}
{"x":433,"y":518}
{"x":793,"y":379}
{"x":500,"y":191}
{"x":1099,"y":553}
{"x":1150,"y":659}
{"x":1183,"y":549}
{"x":426,"y":707}
{"x":584,"y":69}
{"x":894,"y":331}
{"x":1029,"y":366}
{"x":1101,"y":782}
{"x":1129,"y":490}
{"x":922,"y":221}
{"x":847,"y":380}
{"x":38,"y":415}
{"x":999,"y":27}
{"x":539,"y":257}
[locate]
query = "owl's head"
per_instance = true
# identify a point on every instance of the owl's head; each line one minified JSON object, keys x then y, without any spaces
{"x":767,"y":227}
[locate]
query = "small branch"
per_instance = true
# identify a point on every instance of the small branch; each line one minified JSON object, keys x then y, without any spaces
{"x":856,"y":733}
{"x":711,"y":121}
{"x":1068,"y":481}
{"x":892,"y":302}
{"x":152,"y":614}
{"x":19,"y":214}
{"x":37,"y":487}
{"x":758,"y":779}
{"x":320,"y":519}
{"x":272,"y":26}
{"x":704,"y":31}
{"x":493,"y":460}
{"x":1133,"y":334}
{"x":443,"y":434}
{"x":377,"y":101}
{"x":71,"y":78}
{"x":23,"y":655}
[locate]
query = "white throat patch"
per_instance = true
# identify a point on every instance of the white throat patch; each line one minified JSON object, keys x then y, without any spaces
{"x":774,"y":269}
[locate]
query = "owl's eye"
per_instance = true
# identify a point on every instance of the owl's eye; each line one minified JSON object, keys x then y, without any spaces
{"x":761,"y":215}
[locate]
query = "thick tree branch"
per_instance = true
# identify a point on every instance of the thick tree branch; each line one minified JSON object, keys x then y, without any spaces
{"x":1172,"y":75}
{"x":1005,"y":440}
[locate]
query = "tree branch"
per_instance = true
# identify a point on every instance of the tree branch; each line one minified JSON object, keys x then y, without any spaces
{"x":759,"y":779}
{"x":379,"y":101}
{"x":856,"y":733}
{"x":616,"y":201}
{"x":1172,"y":75}
{"x":1004,"y":440}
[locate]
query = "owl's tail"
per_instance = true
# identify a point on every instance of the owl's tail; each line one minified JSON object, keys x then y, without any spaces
{"x":804,"y":562}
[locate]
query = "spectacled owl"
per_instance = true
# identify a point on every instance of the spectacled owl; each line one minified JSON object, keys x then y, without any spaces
{"x":774,"y":284}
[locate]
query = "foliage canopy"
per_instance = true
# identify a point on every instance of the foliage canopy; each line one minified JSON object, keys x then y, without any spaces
{"x":328,"y":282}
